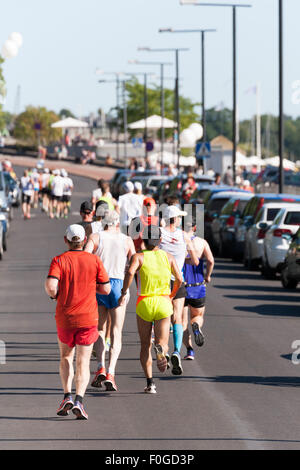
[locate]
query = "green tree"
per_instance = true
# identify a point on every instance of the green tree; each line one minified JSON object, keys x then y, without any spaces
{"x":66,"y":113}
{"x":135,"y":104}
{"x":25,"y":126}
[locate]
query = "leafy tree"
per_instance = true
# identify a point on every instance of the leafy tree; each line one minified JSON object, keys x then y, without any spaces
{"x":25,"y":126}
{"x":135,"y":104}
{"x":66,"y":113}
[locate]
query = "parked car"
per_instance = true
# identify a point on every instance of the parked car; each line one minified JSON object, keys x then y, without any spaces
{"x":275,"y":245}
{"x":290,"y":273}
{"x":213,"y":209}
{"x":13,"y":188}
{"x":150,"y":183}
{"x":176,"y":184}
{"x":252,"y":216}
{"x":1,"y":242}
{"x":223,"y":226}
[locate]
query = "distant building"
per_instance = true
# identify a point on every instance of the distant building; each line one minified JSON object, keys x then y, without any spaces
{"x":221,"y":154}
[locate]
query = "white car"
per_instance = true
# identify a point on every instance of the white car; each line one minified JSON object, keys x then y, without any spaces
{"x":254,"y":236}
{"x":276,"y":245}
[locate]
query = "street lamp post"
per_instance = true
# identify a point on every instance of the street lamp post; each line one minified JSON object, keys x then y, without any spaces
{"x":202,"y":35}
{"x":177,"y":99}
{"x":162,"y":105}
{"x":145,"y":75}
{"x":234,"y":7}
{"x":117,"y":82}
{"x":281,"y":116}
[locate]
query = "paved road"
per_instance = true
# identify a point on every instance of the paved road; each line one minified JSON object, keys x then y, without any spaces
{"x":240,"y":393}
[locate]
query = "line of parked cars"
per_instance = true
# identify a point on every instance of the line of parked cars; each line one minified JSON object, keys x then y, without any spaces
{"x":10,"y":197}
{"x":260,"y":230}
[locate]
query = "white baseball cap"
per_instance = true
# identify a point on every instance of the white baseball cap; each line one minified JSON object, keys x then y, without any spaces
{"x":138,"y":186}
{"x":128,"y":186}
{"x":111,"y":218}
{"x":173,"y":211}
{"x":75,"y":233}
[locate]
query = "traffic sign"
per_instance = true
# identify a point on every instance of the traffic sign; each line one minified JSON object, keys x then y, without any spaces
{"x":203,"y":150}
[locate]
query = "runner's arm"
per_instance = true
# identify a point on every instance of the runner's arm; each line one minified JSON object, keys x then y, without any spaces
{"x":103,"y":289}
{"x":177,"y":274}
{"x":51,"y":287}
{"x":210,"y":262}
{"x":191,"y":250}
{"x":135,"y":264}
{"x":92,"y":243}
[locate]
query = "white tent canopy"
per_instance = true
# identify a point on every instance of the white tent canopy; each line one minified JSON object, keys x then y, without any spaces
{"x":169,"y":158}
{"x":69,"y":123}
{"x":153,"y":122}
{"x":274,"y":161}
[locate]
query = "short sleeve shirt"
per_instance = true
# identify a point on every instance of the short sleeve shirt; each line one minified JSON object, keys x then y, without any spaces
{"x":78,"y":274}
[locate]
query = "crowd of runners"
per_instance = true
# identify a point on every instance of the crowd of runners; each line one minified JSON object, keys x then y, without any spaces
{"x":116,"y":245}
{"x":51,"y":190}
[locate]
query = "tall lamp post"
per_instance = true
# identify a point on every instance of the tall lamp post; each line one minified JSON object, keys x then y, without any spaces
{"x":281,"y":115}
{"x":234,"y":7}
{"x":202,"y":34}
{"x":162,"y":104}
{"x":177,"y":103}
{"x":117,"y":82}
{"x":145,"y":75}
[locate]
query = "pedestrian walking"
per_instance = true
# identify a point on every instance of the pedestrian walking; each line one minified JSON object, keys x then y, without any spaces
{"x":27,"y":186}
{"x":74,"y":278}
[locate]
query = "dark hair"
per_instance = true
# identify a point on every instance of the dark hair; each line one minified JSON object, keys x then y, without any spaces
{"x":151,"y":236}
{"x":172,"y":200}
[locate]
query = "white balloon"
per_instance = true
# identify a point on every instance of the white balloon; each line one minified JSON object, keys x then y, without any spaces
{"x":16,"y":38}
{"x":9,"y":49}
{"x":197,"y":129}
{"x":187,"y":138}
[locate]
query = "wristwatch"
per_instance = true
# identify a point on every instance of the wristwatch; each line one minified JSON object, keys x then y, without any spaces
{"x":123,"y":293}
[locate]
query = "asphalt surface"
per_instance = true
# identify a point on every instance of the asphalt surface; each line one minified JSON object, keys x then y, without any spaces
{"x":241,"y":392}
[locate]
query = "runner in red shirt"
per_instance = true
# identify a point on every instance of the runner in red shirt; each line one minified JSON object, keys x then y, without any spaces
{"x":73,"y":280}
{"x":139,"y":224}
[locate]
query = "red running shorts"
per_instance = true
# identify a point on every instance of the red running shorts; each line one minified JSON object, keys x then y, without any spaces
{"x":78,"y":336}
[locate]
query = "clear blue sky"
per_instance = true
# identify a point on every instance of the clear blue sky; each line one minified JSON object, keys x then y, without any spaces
{"x":66,"y":40}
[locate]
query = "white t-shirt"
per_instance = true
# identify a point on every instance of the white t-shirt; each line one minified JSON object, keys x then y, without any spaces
{"x":68,"y":186}
{"x":97,"y":226}
{"x":27,"y":186}
{"x":58,"y":186}
{"x":97,"y":193}
{"x":112,"y":251}
{"x":130,"y":206}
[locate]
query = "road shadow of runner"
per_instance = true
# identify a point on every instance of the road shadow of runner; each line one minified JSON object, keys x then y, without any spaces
{"x":273,"y":381}
{"x":272,"y":310}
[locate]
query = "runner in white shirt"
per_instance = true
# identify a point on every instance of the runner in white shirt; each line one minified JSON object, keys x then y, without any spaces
{"x":45,"y":190}
{"x":114,"y":249}
{"x":27,"y":194}
{"x":96,"y":194}
{"x":130,"y":206}
{"x":138,"y":189}
{"x":67,"y":193}
{"x":176,"y":242}
{"x":101,"y":211}
{"x":36,"y":187}
{"x":57,"y":187}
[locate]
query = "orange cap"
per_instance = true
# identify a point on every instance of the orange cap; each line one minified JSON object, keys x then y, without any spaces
{"x":149,"y":201}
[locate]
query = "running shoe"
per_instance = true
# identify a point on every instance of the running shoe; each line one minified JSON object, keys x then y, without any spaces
{"x":151,"y":389}
{"x":161,"y":359}
{"x":168,"y":360}
{"x":64,"y":408}
{"x":199,"y":337}
{"x":79,"y":411}
{"x":176,"y":363}
{"x":190,"y":355}
{"x":110,"y":383}
{"x":100,"y":376}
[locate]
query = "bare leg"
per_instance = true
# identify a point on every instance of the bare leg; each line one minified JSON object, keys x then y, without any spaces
{"x":66,"y":369}
{"x":117,"y":322}
{"x":187,"y":341}
{"x":144,"y":329}
{"x":197,"y":316}
{"x":99,"y":346}
{"x":82,"y":377}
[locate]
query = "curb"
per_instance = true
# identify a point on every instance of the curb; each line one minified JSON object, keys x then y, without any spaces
{"x":87,"y":171}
